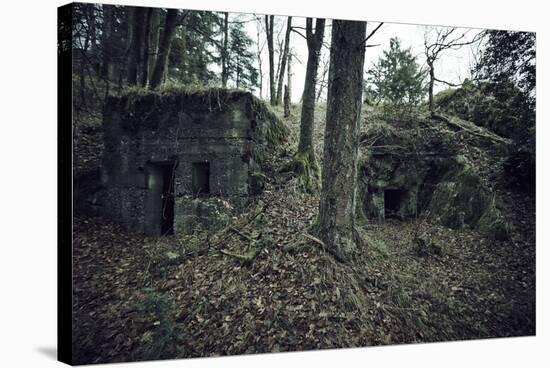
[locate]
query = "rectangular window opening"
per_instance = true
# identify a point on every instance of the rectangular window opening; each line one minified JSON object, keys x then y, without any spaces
{"x":201,"y":178}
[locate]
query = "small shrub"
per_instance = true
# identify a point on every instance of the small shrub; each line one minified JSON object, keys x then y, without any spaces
{"x":161,"y":341}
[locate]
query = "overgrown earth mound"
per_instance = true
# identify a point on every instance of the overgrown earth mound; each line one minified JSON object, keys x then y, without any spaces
{"x":441,"y":168}
{"x":263,"y":284}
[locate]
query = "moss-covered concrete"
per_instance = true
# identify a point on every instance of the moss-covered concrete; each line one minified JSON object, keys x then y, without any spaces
{"x":232,"y":134}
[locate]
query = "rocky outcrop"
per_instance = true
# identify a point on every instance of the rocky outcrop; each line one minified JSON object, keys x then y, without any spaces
{"x":424,"y":168}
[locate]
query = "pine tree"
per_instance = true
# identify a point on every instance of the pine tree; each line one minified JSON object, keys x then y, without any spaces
{"x":240,"y":63}
{"x":509,"y":55}
{"x":396,"y":79}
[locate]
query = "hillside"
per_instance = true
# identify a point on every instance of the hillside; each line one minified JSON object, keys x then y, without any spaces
{"x":263,"y":283}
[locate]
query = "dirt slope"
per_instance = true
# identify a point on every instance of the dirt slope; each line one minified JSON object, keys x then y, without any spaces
{"x":260,"y":285}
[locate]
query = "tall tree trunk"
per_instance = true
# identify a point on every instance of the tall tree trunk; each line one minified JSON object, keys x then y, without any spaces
{"x":287,"y":102}
{"x":145,"y":47}
{"x":305,"y":163}
{"x":183,"y":70}
{"x":154,"y":40}
{"x":431,"y":88}
{"x":91,"y":20}
{"x":225,"y":48}
{"x":289,"y":76}
{"x":161,"y":64}
{"x":106,"y":44}
{"x":269,"y":19}
{"x":288,"y":87}
{"x":136,"y":44}
{"x":259,"y":56}
{"x":322,"y":82}
{"x":284,"y":59}
{"x":238,"y":73}
{"x":338,"y":194}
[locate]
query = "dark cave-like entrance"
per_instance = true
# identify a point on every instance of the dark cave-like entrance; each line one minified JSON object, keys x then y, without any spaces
{"x":393,"y":199}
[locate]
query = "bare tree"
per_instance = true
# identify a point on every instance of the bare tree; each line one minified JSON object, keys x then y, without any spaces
{"x":259,"y":50}
{"x":137,"y":17}
{"x":436,"y":41}
{"x":284,"y":59}
{"x":106,"y":41}
{"x":225,"y":47}
{"x":324,"y":76}
{"x":305,"y":162}
{"x":161,"y":63}
{"x":288,"y":87}
{"x":145,"y":52}
{"x":154,"y":39}
{"x":269,"y":19}
{"x":338,"y":194}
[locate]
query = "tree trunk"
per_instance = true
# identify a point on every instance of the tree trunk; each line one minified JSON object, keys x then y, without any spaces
{"x":431,"y":88}
{"x":161,"y":64}
{"x":284,"y":58}
{"x":225,"y":49}
{"x":91,"y":20}
{"x":305,"y":163}
{"x":289,"y":77}
{"x":259,"y":58}
{"x":269,"y":33}
{"x":136,"y":43}
{"x":338,"y":193}
{"x":145,"y":47}
{"x":106,"y":38}
{"x":154,"y":36}
{"x":287,"y":102}
{"x":322,"y":82}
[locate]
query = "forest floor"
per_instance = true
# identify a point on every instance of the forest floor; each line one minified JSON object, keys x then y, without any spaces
{"x":141,"y":298}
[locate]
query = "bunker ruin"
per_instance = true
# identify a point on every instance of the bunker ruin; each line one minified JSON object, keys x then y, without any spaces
{"x":179,"y":161}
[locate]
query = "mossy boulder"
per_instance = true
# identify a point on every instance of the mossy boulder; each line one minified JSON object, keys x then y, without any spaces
{"x":460,"y":200}
{"x":492,"y":224}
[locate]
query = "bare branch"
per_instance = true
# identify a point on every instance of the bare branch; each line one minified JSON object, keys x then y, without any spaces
{"x":293,"y":30}
{"x":447,"y":83}
{"x":371,"y":34}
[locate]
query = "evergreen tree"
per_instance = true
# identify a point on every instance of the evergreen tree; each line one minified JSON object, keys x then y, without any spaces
{"x":509,"y":55}
{"x":194,"y":49}
{"x":240,"y":64}
{"x":396,"y":79}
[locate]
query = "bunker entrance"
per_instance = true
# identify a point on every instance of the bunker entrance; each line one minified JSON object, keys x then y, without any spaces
{"x":201,"y":178}
{"x":393,"y":200}
{"x":160,"y":198}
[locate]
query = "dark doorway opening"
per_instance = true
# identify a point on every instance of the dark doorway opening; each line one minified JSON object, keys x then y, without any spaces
{"x":167,"y":218}
{"x":201,"y":178}
{"x":159,"y":214}
{"x":393,"y":199}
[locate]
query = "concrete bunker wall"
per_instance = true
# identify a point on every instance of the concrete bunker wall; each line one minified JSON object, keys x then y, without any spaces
{"x":174,"y":163}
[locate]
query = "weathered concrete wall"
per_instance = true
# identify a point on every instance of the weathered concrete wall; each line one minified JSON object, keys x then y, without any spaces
{"x":230,"y":131}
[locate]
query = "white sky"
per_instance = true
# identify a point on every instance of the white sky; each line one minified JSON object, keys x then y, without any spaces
{"x":453,"y":65}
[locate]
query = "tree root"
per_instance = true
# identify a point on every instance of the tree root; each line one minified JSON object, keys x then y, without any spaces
{"x":307,"y":169}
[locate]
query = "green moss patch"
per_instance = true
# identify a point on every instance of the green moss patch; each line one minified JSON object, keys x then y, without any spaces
{"x":461,"y":200}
